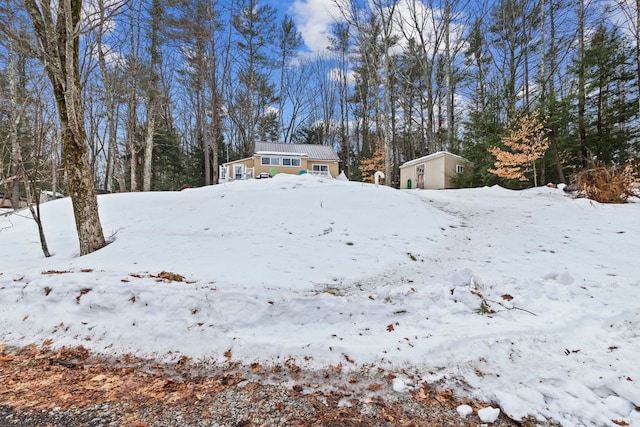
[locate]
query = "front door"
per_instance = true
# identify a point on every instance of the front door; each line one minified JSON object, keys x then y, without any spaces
{"x":238,"y":172}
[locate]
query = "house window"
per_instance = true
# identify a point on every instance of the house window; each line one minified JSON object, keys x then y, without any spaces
{"x":270,"y":161}
{"x":320,"y":170}
{"x":459,"y":168}
{"x":291,"y":161}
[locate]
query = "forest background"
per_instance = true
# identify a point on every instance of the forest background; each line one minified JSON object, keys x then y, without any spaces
{"x":173,"y":88}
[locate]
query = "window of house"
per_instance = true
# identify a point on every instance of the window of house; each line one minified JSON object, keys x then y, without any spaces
{"x":320,"y":168}
{"x":291,"y":161}
{"x":270,"y":161}
{"x":459,"y":168}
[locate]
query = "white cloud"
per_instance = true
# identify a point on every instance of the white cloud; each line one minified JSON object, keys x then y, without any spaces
{"x":313,"y":19}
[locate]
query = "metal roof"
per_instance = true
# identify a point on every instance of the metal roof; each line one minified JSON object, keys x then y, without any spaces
{"x":431,"y":156}
{"x":312,"y":151}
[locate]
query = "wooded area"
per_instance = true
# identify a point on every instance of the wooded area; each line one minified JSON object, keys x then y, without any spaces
{"x":172,"y":88}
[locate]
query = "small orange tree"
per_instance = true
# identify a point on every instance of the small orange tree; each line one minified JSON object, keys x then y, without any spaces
{"x":369,"y":166}
{"x":526,"y":143}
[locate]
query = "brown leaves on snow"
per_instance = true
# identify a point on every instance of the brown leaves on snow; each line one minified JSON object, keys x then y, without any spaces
{"x":163,"y":276}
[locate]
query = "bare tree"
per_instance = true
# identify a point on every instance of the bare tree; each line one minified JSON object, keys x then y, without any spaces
{"x":339,"y":43}
{"x":386,"y":11}
{"x":13,"y":119}
{"x":114,"y":164}
{"x":57,"y":28}
{"x":132,"y":98}
{"x":153,"y":93}
{"x":420,"y":24}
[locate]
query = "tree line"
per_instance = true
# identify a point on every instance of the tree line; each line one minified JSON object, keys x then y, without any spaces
{"x":156,"y":94}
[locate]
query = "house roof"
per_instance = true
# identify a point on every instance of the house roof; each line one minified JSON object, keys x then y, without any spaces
{"x":312,"y":151}
{"x":431,"y":157}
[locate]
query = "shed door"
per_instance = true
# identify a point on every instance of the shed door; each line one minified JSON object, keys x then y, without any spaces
{"x":420,"y":176}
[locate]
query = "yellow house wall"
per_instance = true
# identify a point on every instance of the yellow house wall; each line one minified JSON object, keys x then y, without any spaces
{"x":248,"y":164}
{"x":305,"y":164}
{"x":334,"y":169}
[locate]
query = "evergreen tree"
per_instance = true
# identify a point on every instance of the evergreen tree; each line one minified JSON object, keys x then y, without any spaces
{"x":610,"y":109}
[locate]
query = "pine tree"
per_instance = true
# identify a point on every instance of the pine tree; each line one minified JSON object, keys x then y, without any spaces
{"x":610,"y":111}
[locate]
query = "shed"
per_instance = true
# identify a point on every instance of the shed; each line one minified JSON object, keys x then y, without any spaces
{"x":434,"y":171}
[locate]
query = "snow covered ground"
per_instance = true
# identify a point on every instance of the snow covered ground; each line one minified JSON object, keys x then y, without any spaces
{"x":526,"y":298}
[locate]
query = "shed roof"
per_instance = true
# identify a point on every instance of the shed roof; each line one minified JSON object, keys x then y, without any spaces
{"x":431,"y":157}
{"x":312,"y":151}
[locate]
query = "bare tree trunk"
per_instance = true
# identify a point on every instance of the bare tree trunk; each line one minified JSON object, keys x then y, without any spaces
{"x":54,"y":172}
{"x":582,"y":133}
{"x":448,"y":74}
{"x":148,"y":148}
{"x":59,"y":51}
{"x":387,"y":28}
{"x":552,"y":91}
{"x":14,"y":122}
{"x":132,"y":107}
{"x":154,"y":91}
{"x":131,"y":139}
{"x":114,"y":169}
{"x":34,"y":207}
{"x":637,"y":37}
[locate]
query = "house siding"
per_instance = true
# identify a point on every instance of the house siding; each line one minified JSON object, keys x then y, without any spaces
{"x":305,"y":164}
{"x":293,"y":151}
{"x":449,"y":165}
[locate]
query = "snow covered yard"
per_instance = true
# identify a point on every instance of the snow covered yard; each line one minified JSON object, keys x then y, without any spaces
{"x":529,"y":298}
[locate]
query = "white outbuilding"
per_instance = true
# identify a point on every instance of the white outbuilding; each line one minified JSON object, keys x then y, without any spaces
{"x":434,"y":171}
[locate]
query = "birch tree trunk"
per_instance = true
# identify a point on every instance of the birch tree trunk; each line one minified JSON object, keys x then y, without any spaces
{"x":58,"y":49}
